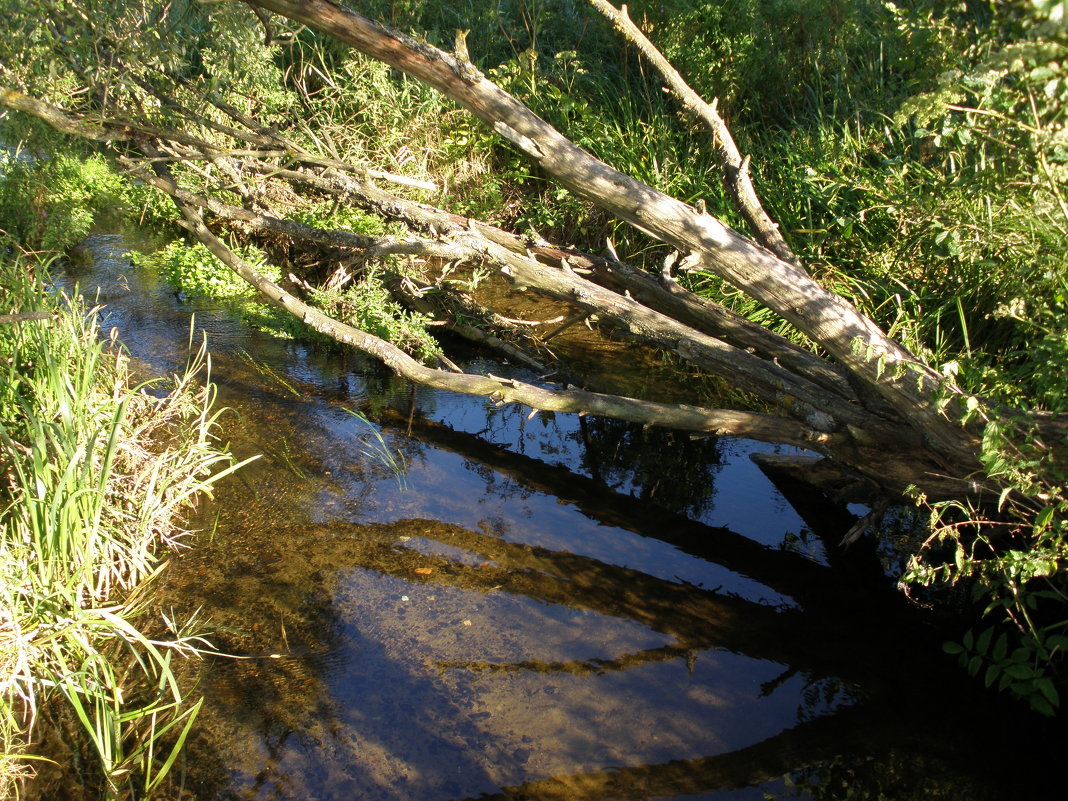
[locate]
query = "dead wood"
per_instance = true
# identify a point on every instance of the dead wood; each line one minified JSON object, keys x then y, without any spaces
{"x":871,"y":406}
{"x":7,"y":319}
{"x":735,"y":168}
{"x":909,"y":386}
{"x":503,"y":390}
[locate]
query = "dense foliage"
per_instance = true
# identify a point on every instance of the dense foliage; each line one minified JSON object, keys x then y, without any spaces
{"x":95,"y":473}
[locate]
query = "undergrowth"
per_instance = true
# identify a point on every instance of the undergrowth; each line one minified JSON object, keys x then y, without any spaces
{"x":50,"y":204}
{"x":96,"y":472}
{"x":914,"y":154}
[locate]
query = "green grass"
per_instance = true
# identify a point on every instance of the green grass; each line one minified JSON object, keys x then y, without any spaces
{"x":96,"y":472}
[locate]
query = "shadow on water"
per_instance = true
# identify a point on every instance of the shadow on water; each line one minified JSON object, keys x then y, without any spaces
{"x":542,"y":608}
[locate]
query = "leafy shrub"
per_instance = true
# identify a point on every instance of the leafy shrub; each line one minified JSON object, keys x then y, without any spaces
{"x":329,"y":216}
{"x":51,"y":204}
{"x":367,"y":305}
{"x":193,"y":269}
{"x":1013,"y":564}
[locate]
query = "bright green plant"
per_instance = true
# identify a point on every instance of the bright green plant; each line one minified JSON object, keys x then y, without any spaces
{"x":367,"y":305}
{"x":193,"y":269}
{"x":96,"y":472}
{"x":330,"y":216}
{"x":51,"y":204}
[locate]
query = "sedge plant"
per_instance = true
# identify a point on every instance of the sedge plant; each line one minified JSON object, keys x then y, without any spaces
{"x":96,"y":471}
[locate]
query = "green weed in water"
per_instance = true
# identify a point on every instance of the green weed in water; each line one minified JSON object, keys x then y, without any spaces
{"x":96,"y":472}
{"x":194,"y":270}
{"x":375,"y":448}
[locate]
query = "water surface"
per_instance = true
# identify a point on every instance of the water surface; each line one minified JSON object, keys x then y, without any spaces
{"x":459,"y":600}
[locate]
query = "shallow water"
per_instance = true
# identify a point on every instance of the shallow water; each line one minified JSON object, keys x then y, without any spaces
{"x":488,"y":604}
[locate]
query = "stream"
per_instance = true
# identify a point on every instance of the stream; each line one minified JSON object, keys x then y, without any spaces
{"x":436,"y":598}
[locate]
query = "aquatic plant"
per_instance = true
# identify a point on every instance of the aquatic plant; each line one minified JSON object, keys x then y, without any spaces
{"x":96,"y":471}
{"x":193,"y":270}
{"x":373,"y":445}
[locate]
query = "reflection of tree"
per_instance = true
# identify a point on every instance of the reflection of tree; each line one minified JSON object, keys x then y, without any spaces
{"x":279,"y":589}
{"x":696,"y":618}
{"x":903,"y":686}
{"x":788,"y":573}
{"x":579,"y":667}
{"x":666,"y":467}
{"x":908,"y":704}
{"x":860,"y":730}
{"x":669,"y":468}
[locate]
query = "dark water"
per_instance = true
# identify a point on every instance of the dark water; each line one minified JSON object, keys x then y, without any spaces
{"x":535,"y":607}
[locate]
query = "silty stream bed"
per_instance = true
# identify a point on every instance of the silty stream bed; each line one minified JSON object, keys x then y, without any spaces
{"x":530,"y":607}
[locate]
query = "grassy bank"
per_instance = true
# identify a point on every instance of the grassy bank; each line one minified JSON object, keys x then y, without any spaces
{"x":95,"y":471}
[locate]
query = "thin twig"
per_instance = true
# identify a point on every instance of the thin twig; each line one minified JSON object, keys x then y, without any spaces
{"x":735,"y":168}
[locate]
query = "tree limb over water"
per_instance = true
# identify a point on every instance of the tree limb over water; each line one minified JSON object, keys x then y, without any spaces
{"x":871,"y":405}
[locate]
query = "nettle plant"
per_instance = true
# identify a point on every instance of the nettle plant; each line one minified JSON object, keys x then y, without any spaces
{"x":1012,"y":564}
{"x":367,"y":304}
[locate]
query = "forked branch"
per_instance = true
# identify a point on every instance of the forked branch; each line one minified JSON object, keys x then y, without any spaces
{"x":735,"y":168}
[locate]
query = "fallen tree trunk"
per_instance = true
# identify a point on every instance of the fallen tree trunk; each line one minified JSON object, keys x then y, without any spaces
{"x":909,"y":386}
{"x":816,"y":418}
{"x":872,"y":407}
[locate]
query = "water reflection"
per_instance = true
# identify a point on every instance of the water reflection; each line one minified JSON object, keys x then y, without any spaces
{"x":545,"y":608}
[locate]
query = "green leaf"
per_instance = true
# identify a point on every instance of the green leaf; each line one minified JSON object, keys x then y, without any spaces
{"x":991,"y":674}
{"x":1041,"y":705}
{"x":974,"y":664}
{"x":983,"y":643}
{"x":1057,"y":642}
{"x":952,"y":648}
{"x":1043,"y":518}
{"x":1045,"y":686}
{"x":1020,"y":671}
{"x":1021,"y":654}
{"x":1001,"y":647}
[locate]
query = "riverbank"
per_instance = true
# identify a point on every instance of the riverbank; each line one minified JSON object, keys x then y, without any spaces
{"x":97,"y":469}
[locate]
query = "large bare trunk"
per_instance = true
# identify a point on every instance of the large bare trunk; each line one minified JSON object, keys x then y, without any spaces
{"x":909,"y":386}
{"x":871,"y":406}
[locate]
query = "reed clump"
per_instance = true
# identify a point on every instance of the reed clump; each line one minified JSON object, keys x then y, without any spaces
{"x":95,"y":473}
